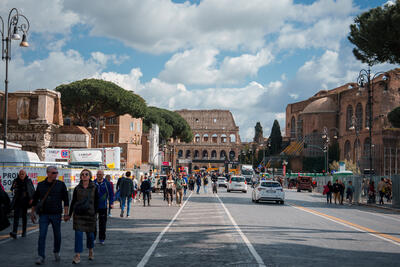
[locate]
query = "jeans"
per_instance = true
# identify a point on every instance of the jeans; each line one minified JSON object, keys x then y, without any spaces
{"x":128,"y":208}
{"x":381,"y":195}
{"x":79,"y":241}
{"x":179,"y":195}
{"x":102,"y":224}
{"x":198,"y":189}
{"x":20,"y":211}
{"x":44,"y":221}
{"x":184,"y":190}
{"x":329,"y":197}
{"x":205,"y":188}
{"x":146,"y":195}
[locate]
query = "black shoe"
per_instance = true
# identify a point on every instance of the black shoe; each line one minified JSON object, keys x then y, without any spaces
{"x":23,"y":234}
{"x":13,"y":235}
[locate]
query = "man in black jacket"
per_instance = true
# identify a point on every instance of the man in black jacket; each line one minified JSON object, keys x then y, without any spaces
{"x":145,"y":188}
{"x":50,"y":211}
{"x":126,"y":189}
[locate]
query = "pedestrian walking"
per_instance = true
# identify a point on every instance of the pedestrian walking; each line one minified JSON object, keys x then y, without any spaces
{"x":105,"y":194}
{"x":135,"y":188}
{"x":336,"y":192}
{"x":381,"y":190}
{"x":164,"y":186}
{"x":350,"y":192}
{"x":198,"y":183}
{"x":47,"y":202}
{"x":328,"y":190}
{"x":186,"y":183}
{"x":84,"y":206}
{"x":170,"y":185}
{"x":23,"y":190}
{"x":140,"y":185}
{"x":179,"y":185}
{"x":205,"y":183}
{"x":191,"y":183}
{"x":5,"y":208}
{"x":371,"y":193}
{"x":145,"y":189}
{"x":126,"y":190}
{"x":110,"y":205}
{"x":341,"y":191}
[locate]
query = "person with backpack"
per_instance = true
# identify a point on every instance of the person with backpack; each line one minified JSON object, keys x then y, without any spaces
{"x":328,"y":190}
{"x":84,"y":206}
{"x":179,"y":185}
{"x":23,"y":190}
{"x":47,"y":202}
{"x":126,"y":190}
{"x":106,"y":196}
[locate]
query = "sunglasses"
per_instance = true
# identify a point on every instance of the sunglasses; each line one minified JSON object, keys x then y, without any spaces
{"x":54,"y":173}
{"x":85,"y":174}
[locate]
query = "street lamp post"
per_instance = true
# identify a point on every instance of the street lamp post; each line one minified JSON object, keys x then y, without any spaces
{"x":365,"y":79}
{"x":354,"y":126}
{"x":325,"y":149}
{"x":14,"y":25}
{"x":94,"y":126}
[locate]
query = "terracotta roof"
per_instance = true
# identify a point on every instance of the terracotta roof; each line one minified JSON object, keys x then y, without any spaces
{"x":321,"y":105}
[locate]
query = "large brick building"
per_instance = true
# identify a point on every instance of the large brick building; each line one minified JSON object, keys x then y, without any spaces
{"x":216,"y":141}
{"x":344,"y":112}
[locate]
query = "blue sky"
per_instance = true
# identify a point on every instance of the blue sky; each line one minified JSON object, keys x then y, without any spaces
{"x":252,"y":57}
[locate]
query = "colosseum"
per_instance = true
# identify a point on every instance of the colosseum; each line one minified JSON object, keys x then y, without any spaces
{"x":216,"y":141}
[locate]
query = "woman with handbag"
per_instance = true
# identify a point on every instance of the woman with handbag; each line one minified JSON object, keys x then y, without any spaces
{"x":84,"y":204}
{"x":23,"y":190}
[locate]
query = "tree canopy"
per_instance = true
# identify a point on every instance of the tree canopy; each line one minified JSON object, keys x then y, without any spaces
{"x":394,"y":117}
{"x":171,"y":124}
{"x":276,"y":138}
{"x":376,"y":35}
{"x":91,"y":97}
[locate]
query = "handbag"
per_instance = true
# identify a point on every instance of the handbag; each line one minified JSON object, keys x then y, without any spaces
{"x":39,"y":206}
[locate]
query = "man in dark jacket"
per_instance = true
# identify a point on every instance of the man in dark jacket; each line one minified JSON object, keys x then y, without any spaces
{"x":106,"y":197}
{"x":336,"y":192}
{"x":126,"y":188}
{"x":145,"y":188}
{"x":50,"y":211}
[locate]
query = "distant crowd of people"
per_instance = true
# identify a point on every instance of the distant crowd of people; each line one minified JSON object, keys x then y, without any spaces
{"x":91,"y":204}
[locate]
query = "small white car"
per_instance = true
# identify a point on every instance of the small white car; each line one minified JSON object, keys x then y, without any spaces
{"x":221,"y":181}
{"x":268,"y":191}
{"x":237,"y":183}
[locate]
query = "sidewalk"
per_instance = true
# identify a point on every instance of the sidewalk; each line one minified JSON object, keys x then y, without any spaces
{"x":127,"y":238}
{"x":386,"y":205}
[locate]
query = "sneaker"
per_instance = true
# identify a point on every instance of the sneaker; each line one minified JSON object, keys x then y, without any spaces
{"x":76,"y":259}
{"x":91,"y":254}
{"x":13,"y":235}
{"x":39,"y":261}
{"x":127,"y":216}
{"x":101,"y":242}
{"x":109,"y":215}
{"x":56,"y":256}
{"x":121,"y":215}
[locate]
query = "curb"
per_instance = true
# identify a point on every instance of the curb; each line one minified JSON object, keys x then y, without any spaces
{"x":379,"y":207}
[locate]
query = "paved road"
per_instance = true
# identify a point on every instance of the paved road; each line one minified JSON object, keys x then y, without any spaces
{"x":228,"y":229}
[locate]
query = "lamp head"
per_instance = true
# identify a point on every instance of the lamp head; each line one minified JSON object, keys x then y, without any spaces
{"x":24,"y":42}
{"x":15,"y":35}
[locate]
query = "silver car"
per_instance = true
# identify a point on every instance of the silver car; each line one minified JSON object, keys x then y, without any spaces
{"x":237,"y":183}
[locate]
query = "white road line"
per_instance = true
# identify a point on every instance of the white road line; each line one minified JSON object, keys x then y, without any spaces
{"x":349,"y":226}
{"x":380,"y":215}
{"x":147,"y":256}
{"x":245,"y":240}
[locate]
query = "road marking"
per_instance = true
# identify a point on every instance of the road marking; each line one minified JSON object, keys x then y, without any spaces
{"x":380,"y":215}
{"x":245,"y":240}
{"x":149,"y":252}
{"x":6,"y":238}
{"x":386,"y":237}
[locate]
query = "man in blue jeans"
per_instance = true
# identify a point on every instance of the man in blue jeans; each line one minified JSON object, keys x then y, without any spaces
{"x":126,"y":188}
{"x":51,"y":193}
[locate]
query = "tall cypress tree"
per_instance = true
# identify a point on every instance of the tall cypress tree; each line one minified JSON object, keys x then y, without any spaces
{"x":276,"y":138}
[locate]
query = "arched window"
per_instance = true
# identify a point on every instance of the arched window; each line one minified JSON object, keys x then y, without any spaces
{"x":222,"y":154}
{"x":205,"y":154}
{"x":367,"y":147}
{"x":347,"y":150}
{"x":367,"y":111}
{"x":293,"y":127}
{"x":196,"y":154}
{"x":180,"y":153}
{"x":223,"y":138}
{"x":213,"y":154}
{"x":233,"y":138}
{"x":188,"y":154}
{"x":197,"y":138}
{"x":357,"y":150}
{"x":214,"y":138}
{"x":232,"y":155}
{"x":359,"y":117}
{"x":349,"y":117}
{"x":196,"y":167}
{"x":205,"y":138}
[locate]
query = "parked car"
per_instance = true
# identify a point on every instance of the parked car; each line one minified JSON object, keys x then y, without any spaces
{"x":268,"y":191}
{"x":221,"y":181}
{"x":304,"y":183}
{"x":237,"y":183}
